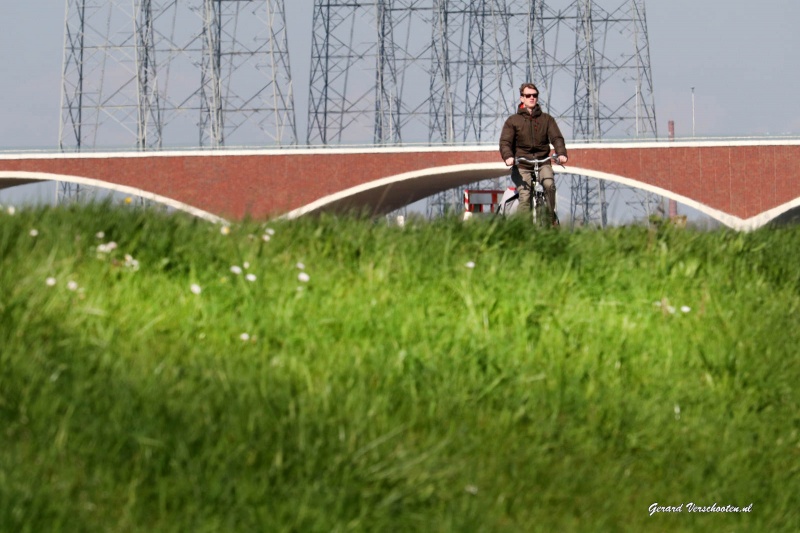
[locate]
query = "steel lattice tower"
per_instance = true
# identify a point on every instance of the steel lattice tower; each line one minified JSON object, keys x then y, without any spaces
{"x":474,"y":62}
{"x":366,"y":64}
{"x":597,"y":52}
{"x":152,"y":73}
{"x":591,"y":63}
{"x":451,"y":86}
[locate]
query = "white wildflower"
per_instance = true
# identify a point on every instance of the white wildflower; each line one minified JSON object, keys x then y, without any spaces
{"x":301,"y":266}
{"x":685,"y":308}
{"x":100,"y":235}
{"x":34,"y":232}
{"x":664,"y":305}
{"x":11,"y":210}
{"x":269,"y":231}
{"x":251,"y":277}
{"x":244,"y":337}
{"x":265,"y":237}
{"x":471,"y":489}
{"x":236,"y":269}
{"x":72,"y":285}
{"x":107,"y":248}
{"x":195,"y":288}
{"x":50,"y":281}
{"x":131,"y":263}
{"x":225,"y":230}
{"x":470,"y":264}
{"x":302,"y":276}
{"x":246,"y":265}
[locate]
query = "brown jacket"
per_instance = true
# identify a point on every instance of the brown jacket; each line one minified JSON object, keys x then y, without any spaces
{"x":530,"y":135}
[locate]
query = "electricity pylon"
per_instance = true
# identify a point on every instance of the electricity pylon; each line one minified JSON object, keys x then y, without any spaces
{"x":146,"y":74}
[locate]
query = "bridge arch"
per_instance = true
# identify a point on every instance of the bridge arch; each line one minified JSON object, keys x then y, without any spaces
{"x":731,"y":221}
{"x":387,"y":194}
{"x":12,"y":178}
{"x":393,"y":192}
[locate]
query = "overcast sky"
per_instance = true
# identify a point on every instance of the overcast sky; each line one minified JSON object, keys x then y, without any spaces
{"x":742,"y":57}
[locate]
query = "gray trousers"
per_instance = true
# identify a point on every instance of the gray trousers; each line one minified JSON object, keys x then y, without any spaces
{"x":523,"y":181}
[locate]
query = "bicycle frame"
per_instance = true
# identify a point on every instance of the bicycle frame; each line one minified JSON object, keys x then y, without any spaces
{"x":540,"y":208}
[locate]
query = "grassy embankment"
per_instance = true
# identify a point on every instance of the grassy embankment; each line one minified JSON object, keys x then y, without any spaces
{"x":407,"y":385}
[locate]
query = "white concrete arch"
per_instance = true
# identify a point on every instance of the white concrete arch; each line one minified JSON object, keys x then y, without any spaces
{"x":731,"y":221}
{"x":386,"y":194}
{"x":12,"y":178}
{"x":393,"y":192}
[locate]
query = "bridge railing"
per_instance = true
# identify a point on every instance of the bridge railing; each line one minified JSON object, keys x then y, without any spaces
{"x":678,"y":141}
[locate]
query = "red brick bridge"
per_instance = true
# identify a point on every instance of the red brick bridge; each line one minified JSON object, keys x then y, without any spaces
{"x":743,"y":184}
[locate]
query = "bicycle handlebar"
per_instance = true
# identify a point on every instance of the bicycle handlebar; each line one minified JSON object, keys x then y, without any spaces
{"x":518,"y":160}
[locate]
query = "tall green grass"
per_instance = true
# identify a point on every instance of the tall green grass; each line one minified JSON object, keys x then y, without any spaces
{"x":438,"y":377}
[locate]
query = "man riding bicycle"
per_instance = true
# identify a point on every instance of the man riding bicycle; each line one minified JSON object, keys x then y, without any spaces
{"x":529,"y":134}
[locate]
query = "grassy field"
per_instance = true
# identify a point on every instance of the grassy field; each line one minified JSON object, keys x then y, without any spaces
{"x":159,"y":373}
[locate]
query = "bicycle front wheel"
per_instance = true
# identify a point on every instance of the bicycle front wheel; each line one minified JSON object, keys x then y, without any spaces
{"x":541,"y":212}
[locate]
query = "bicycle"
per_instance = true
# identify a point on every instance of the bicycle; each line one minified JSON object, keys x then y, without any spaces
{"x":540,"y":208}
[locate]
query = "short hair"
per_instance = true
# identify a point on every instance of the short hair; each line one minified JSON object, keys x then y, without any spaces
{"x":527,"y":85}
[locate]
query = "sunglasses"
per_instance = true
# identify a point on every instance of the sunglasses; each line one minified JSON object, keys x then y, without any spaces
{"x":532,"y":95}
